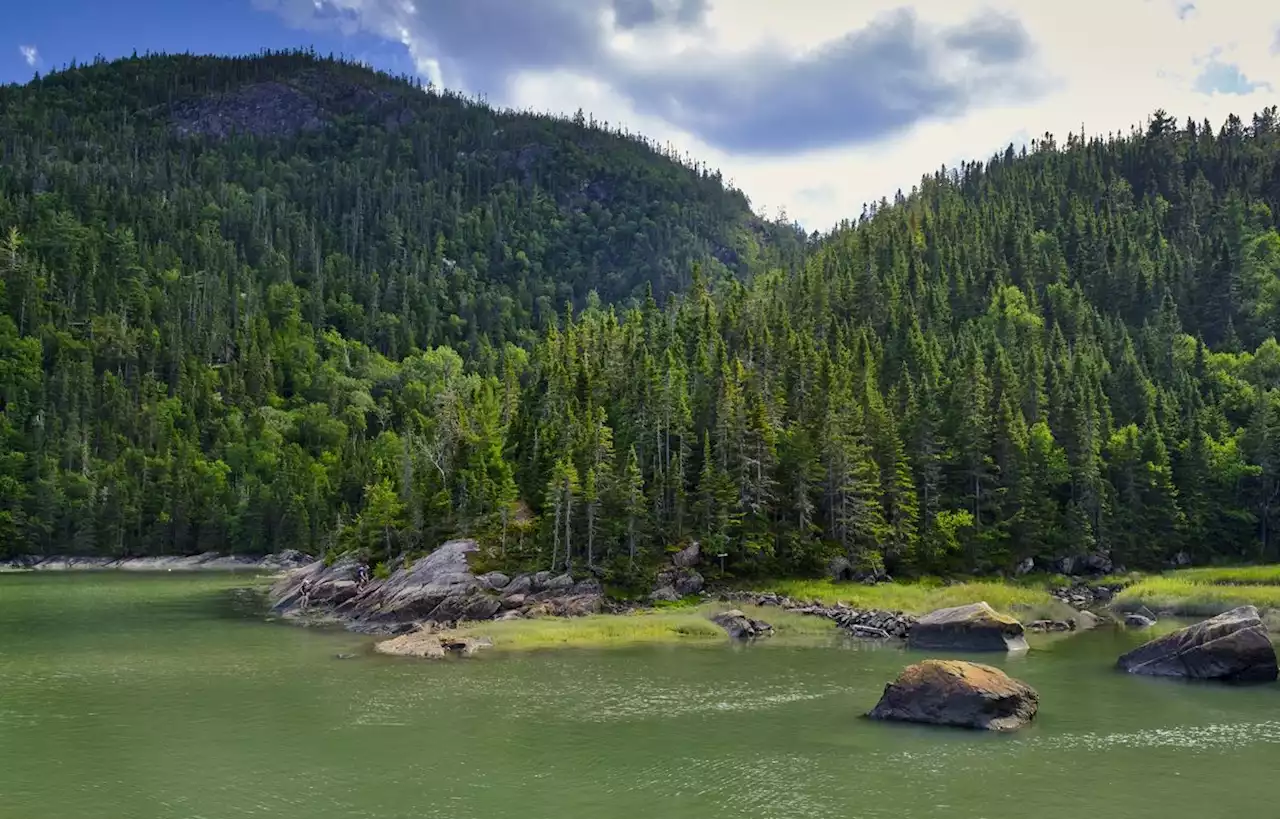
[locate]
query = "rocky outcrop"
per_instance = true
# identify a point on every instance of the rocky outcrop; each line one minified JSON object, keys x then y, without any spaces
{"x":207,"y":562}
{"x":975,"y":627}
{"x":950,"y":692}
{"x":439,"y":588}
{"x":1234,"y":646}
{"x":741,"y":627}
{"x":1138,"y":621}
{"x":431,"y":645}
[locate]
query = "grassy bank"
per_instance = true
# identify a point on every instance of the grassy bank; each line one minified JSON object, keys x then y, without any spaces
{"x":643,"y":627}
{"x":1028,"y":602}
{"x":1204,"y":592}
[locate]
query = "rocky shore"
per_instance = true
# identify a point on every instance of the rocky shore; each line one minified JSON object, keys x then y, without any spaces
{"x":865,"y":624}
{"x":209,"y":561}
{"x":439,"y":589}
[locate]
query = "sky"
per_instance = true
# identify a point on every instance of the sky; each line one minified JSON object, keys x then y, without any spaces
{"x":811,"y":107}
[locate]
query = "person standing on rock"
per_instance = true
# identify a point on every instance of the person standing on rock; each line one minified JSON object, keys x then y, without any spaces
{"x":362,"y":576}
{"x":305,"y":590}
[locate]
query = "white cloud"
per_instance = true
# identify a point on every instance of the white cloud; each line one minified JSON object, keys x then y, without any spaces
{"x":29,"y":53}
{"x":1110,"y":64}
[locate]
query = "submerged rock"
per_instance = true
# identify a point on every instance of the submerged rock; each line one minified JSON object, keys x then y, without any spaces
{"x":951,"y":692}
{"x":1046,"y":626}
{"x":975,"y":627}
{"x":740,"y":626}
{"x":1138,"y":621}
{"x":1234,"y":646}
{"x":431,"y":645}
{"x":1085,"y":620}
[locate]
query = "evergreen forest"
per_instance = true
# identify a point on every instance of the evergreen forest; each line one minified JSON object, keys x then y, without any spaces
{"x":282,"y":301}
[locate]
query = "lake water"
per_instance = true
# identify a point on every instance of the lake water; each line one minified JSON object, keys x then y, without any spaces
{"x":162,"y":697}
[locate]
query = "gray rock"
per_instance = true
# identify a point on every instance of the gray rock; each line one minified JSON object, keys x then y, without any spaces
{"x":684,"y":581}
{"x":513,"y":601}
{"x":664,"y":594}
{"x":1085,"y":620}
{"x":540,"y":580}
{"x":740,"y":626}
{"x":495,"y":580}
{"x":1025,"y":567}
{"x":950,"y":692}
{"x":687,"y":557}
{"x":975,"y":627}
{"x":1234,"y":646}
{"x":522,"y":584}
{"x":559,"y":583}
{"x":588,"y":586}
{"x":1138,"y":621}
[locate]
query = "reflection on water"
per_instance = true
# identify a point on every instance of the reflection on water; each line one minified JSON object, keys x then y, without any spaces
{"x":169,"y":698}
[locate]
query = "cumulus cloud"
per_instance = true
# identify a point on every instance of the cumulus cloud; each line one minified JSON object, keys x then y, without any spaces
{"x":1226,"y":78}
{"x":29,"y":53}
{"x":823,"y":105}
{"x":869,"y":82}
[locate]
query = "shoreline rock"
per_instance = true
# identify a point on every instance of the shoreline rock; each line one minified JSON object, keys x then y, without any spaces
{"x":864,"y":624}
{"x":1232,"y":647}
{"x":741,"y":627}
{"x":957,"y":693}
{"x":208,"y":561}
{"x":975,"y":627}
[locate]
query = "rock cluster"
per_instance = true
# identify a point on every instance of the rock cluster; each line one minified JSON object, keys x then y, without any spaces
{"x":1083,"y":595}
{"x":439,"y":588}
{"x":1234,"y":647}
{"x":950,"y":692}
{"x":873,"y":624}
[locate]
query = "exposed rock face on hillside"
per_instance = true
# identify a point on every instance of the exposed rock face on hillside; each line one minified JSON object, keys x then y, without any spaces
{"x":950,"y":692}
{"x":1234,"y":646}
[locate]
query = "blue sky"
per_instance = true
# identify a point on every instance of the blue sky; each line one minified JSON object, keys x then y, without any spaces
{"x":63,"y":30}
{"x":812,"y":106}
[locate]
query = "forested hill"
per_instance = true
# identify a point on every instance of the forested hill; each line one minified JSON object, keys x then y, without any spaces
{"x":1064,"y":352}
{"x":402,"y":217}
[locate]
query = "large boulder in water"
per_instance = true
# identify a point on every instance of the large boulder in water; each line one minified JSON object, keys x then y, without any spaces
{"x":951,"y":692}
{"x":975,"y":627}
{"x":1233,"y":646}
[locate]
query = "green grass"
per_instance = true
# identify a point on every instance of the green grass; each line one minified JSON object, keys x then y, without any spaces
{"x":1204,"y":592}
{"x":1232,"y":576}
{"x":644,"y":627}
{"x":1027,"y":602}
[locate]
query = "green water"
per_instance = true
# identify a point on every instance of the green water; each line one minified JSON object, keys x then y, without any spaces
{"x":160,"y":697}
